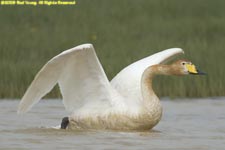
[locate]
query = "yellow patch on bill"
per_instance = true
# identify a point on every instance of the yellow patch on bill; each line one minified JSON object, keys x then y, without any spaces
{"x":191,"y":68}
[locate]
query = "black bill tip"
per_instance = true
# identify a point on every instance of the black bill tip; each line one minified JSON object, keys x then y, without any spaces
{"x":201,"y":73}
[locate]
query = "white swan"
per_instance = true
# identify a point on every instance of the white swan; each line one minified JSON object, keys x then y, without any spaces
{"x":126,"y":103}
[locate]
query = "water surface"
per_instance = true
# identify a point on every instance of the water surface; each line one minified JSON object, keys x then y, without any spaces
{"x":186,"y":124}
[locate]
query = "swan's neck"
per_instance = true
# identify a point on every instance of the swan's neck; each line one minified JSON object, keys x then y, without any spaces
{"x":149,"y":96}
{"x":151,"y":104}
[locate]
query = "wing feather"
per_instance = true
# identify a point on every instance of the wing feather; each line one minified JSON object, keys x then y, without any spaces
{"x":80,"y":76}
{"x":127,"y":82}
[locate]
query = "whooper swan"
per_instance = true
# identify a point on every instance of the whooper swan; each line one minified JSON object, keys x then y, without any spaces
{"x":126,"y":103}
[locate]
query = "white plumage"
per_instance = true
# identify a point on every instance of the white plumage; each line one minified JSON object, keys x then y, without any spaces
{"x":84,"y":86}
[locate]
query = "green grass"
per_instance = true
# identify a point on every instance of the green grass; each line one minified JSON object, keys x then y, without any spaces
{"x":122,"y":32}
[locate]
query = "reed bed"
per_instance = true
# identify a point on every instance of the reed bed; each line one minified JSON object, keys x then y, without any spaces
{"x":122,"y":32}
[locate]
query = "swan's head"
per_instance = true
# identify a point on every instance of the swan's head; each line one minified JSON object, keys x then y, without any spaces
{"x":185,"y":67}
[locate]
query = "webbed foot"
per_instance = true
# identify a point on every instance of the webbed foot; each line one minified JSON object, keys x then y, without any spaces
{"x":65,"y":122}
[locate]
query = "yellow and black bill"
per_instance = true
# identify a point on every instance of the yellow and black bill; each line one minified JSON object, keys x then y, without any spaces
{"x":193,"y":70}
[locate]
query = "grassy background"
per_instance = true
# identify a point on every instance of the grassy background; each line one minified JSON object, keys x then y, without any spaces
{"x":122,"y":31}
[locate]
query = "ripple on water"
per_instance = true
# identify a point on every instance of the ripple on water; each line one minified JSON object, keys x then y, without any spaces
{"x":186,"y":124}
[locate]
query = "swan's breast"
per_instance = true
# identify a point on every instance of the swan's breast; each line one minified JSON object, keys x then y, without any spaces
{"x":144,"y":121}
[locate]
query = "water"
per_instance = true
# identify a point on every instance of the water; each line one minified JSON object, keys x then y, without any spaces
{"x":186,"y":124}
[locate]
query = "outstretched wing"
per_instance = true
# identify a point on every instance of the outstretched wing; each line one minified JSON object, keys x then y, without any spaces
{"x":80,"y":76}
{"x":127,"y":82}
